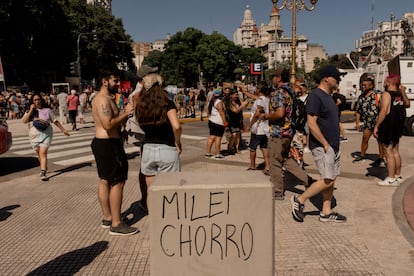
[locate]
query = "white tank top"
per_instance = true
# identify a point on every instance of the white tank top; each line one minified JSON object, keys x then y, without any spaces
{"x":215,"y":115}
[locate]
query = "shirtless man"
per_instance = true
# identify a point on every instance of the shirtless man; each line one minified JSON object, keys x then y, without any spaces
{"x":111,"y":160}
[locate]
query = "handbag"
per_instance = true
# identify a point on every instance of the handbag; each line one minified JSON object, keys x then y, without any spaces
{"x":40,"y":124}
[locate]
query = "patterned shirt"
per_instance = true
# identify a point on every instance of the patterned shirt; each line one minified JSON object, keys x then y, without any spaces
{"x":368,"y":108}
{"x":282,"y":128}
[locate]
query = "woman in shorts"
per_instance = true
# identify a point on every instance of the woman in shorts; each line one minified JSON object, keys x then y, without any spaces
{"x":217,"y":123}
{"x":41,"y":131}
{"x":234,"y":109}
{"x":157,"y":116}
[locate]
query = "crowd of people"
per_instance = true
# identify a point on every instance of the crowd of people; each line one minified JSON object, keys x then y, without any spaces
{"x":272,"y":127}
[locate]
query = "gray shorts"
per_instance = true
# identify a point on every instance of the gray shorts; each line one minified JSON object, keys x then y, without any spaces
{"x":327,"y":163}
{"x":159,"y":158}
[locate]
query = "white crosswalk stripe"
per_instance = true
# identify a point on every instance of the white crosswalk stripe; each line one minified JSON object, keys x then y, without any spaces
{"x":191,"y":137}
{"x":73,"y":149}
{"x":89,"y":158}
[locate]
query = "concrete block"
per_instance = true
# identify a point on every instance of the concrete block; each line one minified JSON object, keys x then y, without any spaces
{"x":211,"y":224}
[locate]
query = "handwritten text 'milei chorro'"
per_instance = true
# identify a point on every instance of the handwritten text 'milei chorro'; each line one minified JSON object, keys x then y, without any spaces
{"x":204,"y":224}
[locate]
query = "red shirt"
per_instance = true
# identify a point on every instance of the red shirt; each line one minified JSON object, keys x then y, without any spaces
{"x":73,"y":102}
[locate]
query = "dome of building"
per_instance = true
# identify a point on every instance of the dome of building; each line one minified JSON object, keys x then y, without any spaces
{"x":247,"y":13}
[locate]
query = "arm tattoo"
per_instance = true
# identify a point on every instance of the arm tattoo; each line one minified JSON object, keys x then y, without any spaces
{"x":106,"y":109}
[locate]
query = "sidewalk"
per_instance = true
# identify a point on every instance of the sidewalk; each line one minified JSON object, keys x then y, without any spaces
{"x":54,"y":227}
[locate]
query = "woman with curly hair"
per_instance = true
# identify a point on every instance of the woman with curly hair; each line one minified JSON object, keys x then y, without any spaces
{"x":157,"y":116}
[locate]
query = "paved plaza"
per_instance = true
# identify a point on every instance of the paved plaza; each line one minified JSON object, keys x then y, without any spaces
{"x":53,"y":228}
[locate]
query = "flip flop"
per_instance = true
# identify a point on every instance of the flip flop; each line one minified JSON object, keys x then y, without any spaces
{"x":251,"y":169}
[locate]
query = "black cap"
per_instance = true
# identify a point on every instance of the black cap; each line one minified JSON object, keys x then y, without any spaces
{"x":330,"y":71}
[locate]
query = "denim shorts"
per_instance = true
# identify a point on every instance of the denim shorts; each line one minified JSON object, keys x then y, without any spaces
{"x":39,"y":138}
{"x":258,"y":140}
{"x":158,"y":158}
{"x":328,"y":163}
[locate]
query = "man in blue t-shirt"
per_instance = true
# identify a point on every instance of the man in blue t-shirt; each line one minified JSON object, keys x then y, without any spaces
{"x":323,"y":124}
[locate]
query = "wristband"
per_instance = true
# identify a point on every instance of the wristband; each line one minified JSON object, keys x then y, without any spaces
{"x":226,"y":124}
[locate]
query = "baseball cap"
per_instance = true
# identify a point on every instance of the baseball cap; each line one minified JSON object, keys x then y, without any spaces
{"x":216,"y":92}
{"x":330,"y":71}
{"x":145,"y":70}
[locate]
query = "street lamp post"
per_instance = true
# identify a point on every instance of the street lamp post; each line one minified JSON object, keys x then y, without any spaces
{"x":94,"y":33}
{"x":392,"y":18}
{"x":294,"y":6}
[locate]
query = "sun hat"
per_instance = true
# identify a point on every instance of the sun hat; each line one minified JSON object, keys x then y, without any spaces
{"x":145,"y":70}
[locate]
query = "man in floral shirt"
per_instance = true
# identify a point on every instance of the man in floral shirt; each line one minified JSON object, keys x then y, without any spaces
{"x":281,"y":134}
{"x":367,"y":109}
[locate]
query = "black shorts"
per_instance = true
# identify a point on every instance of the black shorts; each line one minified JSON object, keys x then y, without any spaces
{"x":111,"y":159}
{"x":216,"y":129}
{"x":258,"y":140}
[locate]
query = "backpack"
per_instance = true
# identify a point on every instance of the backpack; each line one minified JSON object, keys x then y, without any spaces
{"x":342,"y":98}
{"x":299,"y":114}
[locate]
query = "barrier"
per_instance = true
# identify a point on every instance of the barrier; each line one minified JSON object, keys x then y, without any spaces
{"x":211,"y":224}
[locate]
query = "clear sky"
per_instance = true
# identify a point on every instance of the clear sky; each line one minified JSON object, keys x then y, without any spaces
{"x":334,"y":24}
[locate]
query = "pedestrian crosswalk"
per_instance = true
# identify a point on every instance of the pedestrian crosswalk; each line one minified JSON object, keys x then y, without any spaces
{"x":74,"y":149}
{"x":65,"y":150}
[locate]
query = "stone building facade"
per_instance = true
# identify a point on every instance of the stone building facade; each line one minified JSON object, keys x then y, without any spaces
{"x":276,"y":47}
{"x":389,"y":37}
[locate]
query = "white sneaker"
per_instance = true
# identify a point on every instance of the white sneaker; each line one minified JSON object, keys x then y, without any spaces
{"x":388,"y":181}
{"x":306,"y":150}
{"x":399,"y":179}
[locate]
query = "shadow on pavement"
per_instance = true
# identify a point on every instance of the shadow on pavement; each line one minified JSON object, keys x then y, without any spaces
{"x":378,"y":172}
{"x":10,"y":165}
{"x":137,"y":212}
{"x":70,"y":168}
{"x":5,"y":211}
{"x":290,"y":185}
{"x":71,"y":262}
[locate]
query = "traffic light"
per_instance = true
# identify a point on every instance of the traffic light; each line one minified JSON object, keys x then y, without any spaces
{"x":95,"y":35}
{"x":74,"y":68}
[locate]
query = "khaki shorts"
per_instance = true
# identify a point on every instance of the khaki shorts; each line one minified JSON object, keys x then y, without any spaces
{"x":328,"y":163}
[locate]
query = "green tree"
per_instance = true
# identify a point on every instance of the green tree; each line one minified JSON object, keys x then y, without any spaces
{"x":154,"y":59}
{"x":39,"y":39}
{"x":218,"y":57}
{"x":112,"y":46}
{"x":33,"y":40}
{"x":190,"y":52}
{"x":179,"y":63}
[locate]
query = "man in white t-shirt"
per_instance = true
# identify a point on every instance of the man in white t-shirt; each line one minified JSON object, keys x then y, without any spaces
{"x":259,"y":129}
{"x":62,"y":106}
